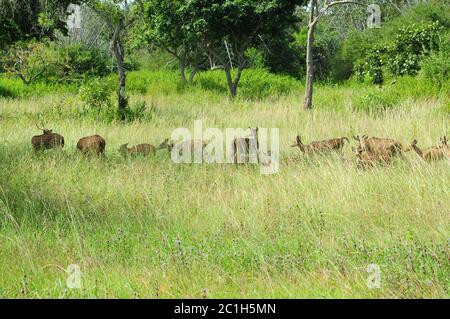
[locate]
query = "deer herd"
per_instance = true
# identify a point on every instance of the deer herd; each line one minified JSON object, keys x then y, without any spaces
{"x":369,"y":152}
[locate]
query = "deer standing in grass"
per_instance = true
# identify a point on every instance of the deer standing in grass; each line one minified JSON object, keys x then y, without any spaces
{"x":47,"y":140}
{"x":434,"y":153}
{"x":94,"y":144}
{"x":334,"y":144}
{"x":381,"y":147}
{"x":140,"y":149}
{"x":196,"y":147}
{"x":244,"y":147}
{"x":365,"y":160}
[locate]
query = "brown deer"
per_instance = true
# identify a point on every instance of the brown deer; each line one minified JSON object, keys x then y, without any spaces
{"x":431,"y":154}
{"x":379,"y":146}
{"x":47,"y":140}
{"x":366,"y":160}
{"x":140,"y":149}
{"x":165,"y":145}
{"x":94,"y":144}
{"x":443,"y":141}
{"x":194,"y":145}
{"x":243,"y":147}
{"x":334,"y":144}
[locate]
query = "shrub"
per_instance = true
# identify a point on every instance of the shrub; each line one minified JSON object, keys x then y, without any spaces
{"x":436,"y":68}
{"x":34,"y":61}
{"x":375,"y":102}
{"x":82,"y":62}
{"x":254,"y":84}
{"x":402,"y":55}
{"x":96,"y":94}
{"x":52,"y":63}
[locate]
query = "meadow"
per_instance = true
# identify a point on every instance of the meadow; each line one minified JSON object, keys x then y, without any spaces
{"x":147,"y":227}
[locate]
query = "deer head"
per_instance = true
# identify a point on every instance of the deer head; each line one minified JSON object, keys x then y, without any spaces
{"x":166,"y":145}
{"x":124,"y":148}
{"x":298,"y":143}
{"x":44,"y":130}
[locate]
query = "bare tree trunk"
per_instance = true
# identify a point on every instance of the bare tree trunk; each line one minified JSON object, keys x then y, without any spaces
{"x":182,"y":71}
{"x":119,"y":55}
{"x":310,"y":58}
{"x":233,"y":84}
{"x":194,"y":72}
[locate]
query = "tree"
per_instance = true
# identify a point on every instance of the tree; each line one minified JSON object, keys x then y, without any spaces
{"x":118,"y":16}
{"x":316,"y":12}
{"x":228,"y":28}
{"x":33,"y":61}
{"x":166,"y":25}
{"x":25,"y":19}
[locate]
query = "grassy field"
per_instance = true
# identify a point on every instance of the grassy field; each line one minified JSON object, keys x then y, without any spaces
{"x":147,"y":227}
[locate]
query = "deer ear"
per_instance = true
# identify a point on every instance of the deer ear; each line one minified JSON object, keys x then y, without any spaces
{"x":356,"y":138}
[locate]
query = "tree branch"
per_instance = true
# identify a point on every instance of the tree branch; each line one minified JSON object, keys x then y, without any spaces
{"x":331,"y":4}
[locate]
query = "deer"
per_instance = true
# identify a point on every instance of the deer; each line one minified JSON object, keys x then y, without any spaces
{"x":46,"y":140}
{"x":443,"y":141}
{"x":379,"y":146}
{"x":194,"y":145}
{"x":366,"y":160}
{"x":243,"y":147}
{"x":334,"y":144}
{"x":94,"y":144}
{"x":433,"y":153}
{"x":140,"y":149}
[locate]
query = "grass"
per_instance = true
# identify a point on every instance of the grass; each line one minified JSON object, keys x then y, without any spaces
{"x":147,"y":227}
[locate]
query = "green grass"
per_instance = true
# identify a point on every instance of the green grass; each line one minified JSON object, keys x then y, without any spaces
{"x":147,"y":227}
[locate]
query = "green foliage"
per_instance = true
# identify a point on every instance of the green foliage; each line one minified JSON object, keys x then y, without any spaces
{"x":34,"y":61}
{"x":402,"y":55}
{"x":436,"y":68}
{"x":374,"y":102}
{"x":83,"y":62}
{"x":410,"y":45}
{"x":50,"y":62}
{"x":25,"y":19}
{"x":15,"y":88}
{"x":96,"y":94}
{"x":257,"y":84}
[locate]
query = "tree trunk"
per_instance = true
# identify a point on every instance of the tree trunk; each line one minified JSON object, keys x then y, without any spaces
{"x":310,"y":58}
{"x":309,"y":69}
{"x":119,"y":55}
{"x":194,"y":72}
{"x":233,"y":84}
{"x":182,"y":71}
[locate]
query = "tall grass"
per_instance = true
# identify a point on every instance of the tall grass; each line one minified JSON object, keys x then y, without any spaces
{"x":147,"y":227}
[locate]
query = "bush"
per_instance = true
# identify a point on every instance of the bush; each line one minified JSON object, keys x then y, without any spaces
{"x":82,"y":62}
{"x":96,"y":95}
{"x":375,"y":102}
{"x":254,"y":84}
{"x":49,"y":62}
{"x":418,"y":34}
{"x":401,"y":56}
{"x":15,"y":88}
{"x":34,"y":61}
{"x":436,"y":68}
